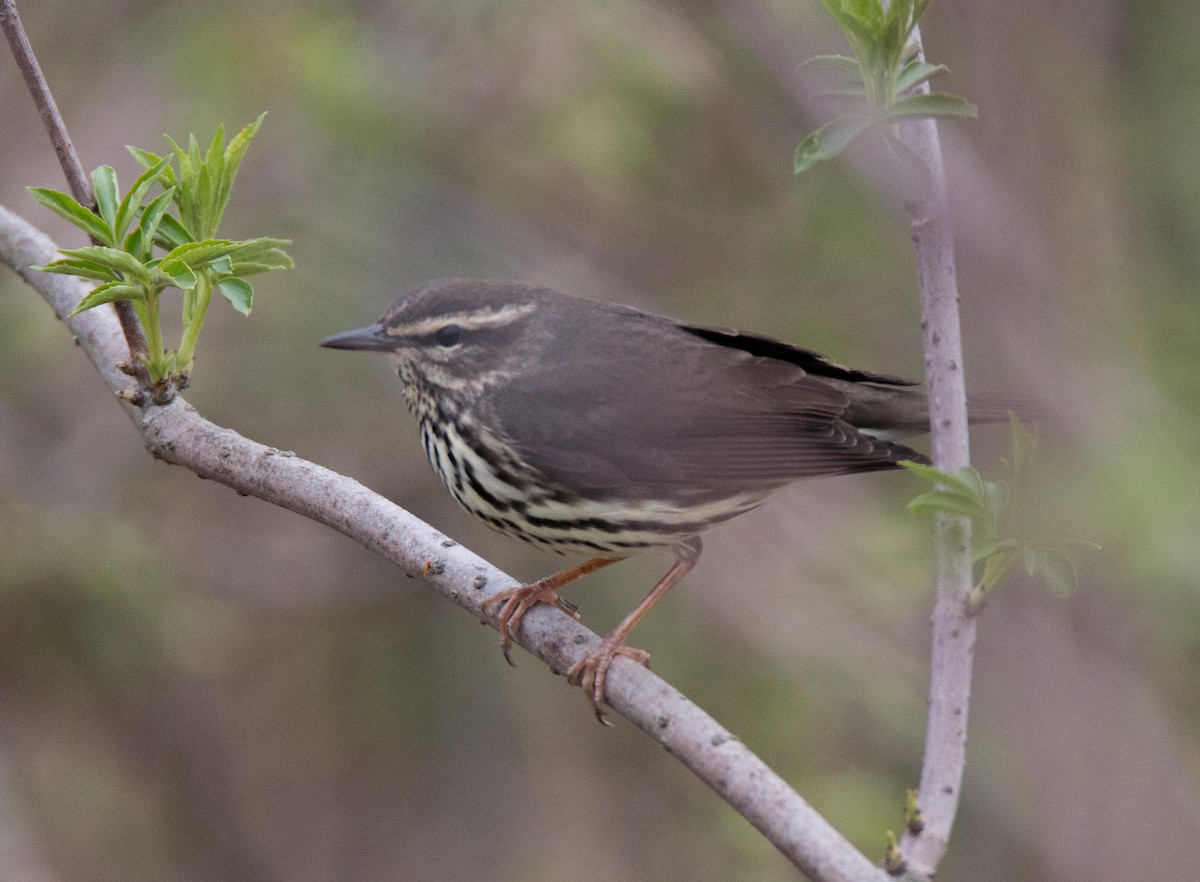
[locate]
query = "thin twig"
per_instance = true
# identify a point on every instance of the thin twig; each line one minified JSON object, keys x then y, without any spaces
{"x":953,"y":629}
{"x":64,"y":149}
{"x":177,"y":434}
{"x":953,"y":625}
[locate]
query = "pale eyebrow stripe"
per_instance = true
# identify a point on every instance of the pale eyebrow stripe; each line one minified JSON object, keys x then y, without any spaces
{"x":468,"y":320}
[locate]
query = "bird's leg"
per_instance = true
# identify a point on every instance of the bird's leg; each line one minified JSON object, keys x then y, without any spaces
{"x":590,"y":671}
{"x":518,"y":601}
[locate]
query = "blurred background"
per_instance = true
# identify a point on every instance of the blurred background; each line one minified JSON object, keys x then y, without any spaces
{"x":198,"y":686}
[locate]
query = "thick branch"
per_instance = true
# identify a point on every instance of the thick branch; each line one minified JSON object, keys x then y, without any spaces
{"x":176,"y":433}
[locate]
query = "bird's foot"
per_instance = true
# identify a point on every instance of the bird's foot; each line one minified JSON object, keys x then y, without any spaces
{"x":591,"y":670}
{"x":515,"y":602}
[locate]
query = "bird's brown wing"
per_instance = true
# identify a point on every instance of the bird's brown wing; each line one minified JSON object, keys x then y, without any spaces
{"x":653,"y":416}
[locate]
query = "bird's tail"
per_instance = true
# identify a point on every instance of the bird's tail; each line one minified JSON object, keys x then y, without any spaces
{"x":888,"y":412}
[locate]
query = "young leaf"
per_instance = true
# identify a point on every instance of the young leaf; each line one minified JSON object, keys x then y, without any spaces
{"x":134,"y":198}
{"x":149,"y":160}
{"x":181,"y":275}
{"x":836,"y":67}
{"x":1024,"y":450}
{"x":171,"y":233}
{"x":66,"y":207}
{"x":147,"y":225}
{"x":947,"y":502}
{"x":234,"y":153}
{"x":828,"y":141}
{"x":107,"y":294}
{"x":966,"y":482}
{"x":208,"y":187}
{"x":84,"y":269}
{"x":111,"y":257}
{"x":238,"y":292}
{"x":252,"y":249}
{"x":860,"y":19}
{"x":104,"y":180}
{"x":914,"y":73}
{"x":980,"y":551}
{"x":1054,"y":568}
{"x":933,"y":104}
{"x":198,"y":254}
{"x":270,"y":260}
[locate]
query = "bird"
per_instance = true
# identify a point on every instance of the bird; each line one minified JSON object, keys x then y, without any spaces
{"x":595,"y":429}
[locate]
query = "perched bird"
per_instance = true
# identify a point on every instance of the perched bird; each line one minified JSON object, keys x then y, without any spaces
{"x":597,"y":429}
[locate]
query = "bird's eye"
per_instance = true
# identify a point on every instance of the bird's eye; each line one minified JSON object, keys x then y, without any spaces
{"x":448,"y":335}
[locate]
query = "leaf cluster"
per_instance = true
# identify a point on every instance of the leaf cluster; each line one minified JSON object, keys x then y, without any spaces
{"x":998,"y":537}
{"x":128,"y":229}
{"x":882,"y":82}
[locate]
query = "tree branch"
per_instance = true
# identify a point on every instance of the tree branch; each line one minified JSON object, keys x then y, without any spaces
{"x":177,"y":434}
{"x":64,"y":149}
{"x":953,"y":624}
{"x":953,"y":628}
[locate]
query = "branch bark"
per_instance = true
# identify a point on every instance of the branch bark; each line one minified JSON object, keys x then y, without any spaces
{"x":177,"y":434}
{"x":953,"y":624}
{"x":953,"y":628}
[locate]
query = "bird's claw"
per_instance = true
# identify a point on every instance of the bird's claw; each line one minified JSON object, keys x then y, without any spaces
{"x":515,"y":602}
{"x":591,"y":671}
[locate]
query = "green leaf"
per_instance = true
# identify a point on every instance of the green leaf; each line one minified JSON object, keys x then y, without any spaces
{"x":1054,"y":568}
{"x":66,"y":207}
{"x":84,"y":269}
{"x":210,"y":170}
{"x":112,"y":258}
{"x":946,"y":502}
{"x":274,"y":259}
{"x":181,"y":275}
{"x":107,"y":294}
{"x":995,"y":500}
{"x":996,"y":568}
{"x":933,"y":104}
{"x":149,"y":160}
{"x":963,"y":493}
{"x":967,"y":481}
{"x":263,"y":251}
{"x":238,"y":292}
{"x":133,"y":199}
{"x":860,"y":18}
{"x":249,"y":249}
{"x":984,"y":550}
{"x":145,"y":157}
{"x":1025,"y":448}
{"x":836,"y":67}
{"x":104,"y":180}
{"x":198,"y":254}
{"x":828,"y":141}
{"x":140,"y":242}
{"x":914,"y":73}
{"x":234,"y":153}
{"x":171,"y":233}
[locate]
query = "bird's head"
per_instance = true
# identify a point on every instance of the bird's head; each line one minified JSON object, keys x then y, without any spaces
{"x":457,"y":337}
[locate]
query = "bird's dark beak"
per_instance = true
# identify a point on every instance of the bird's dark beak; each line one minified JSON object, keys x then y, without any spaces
{"x":372,"y":338}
